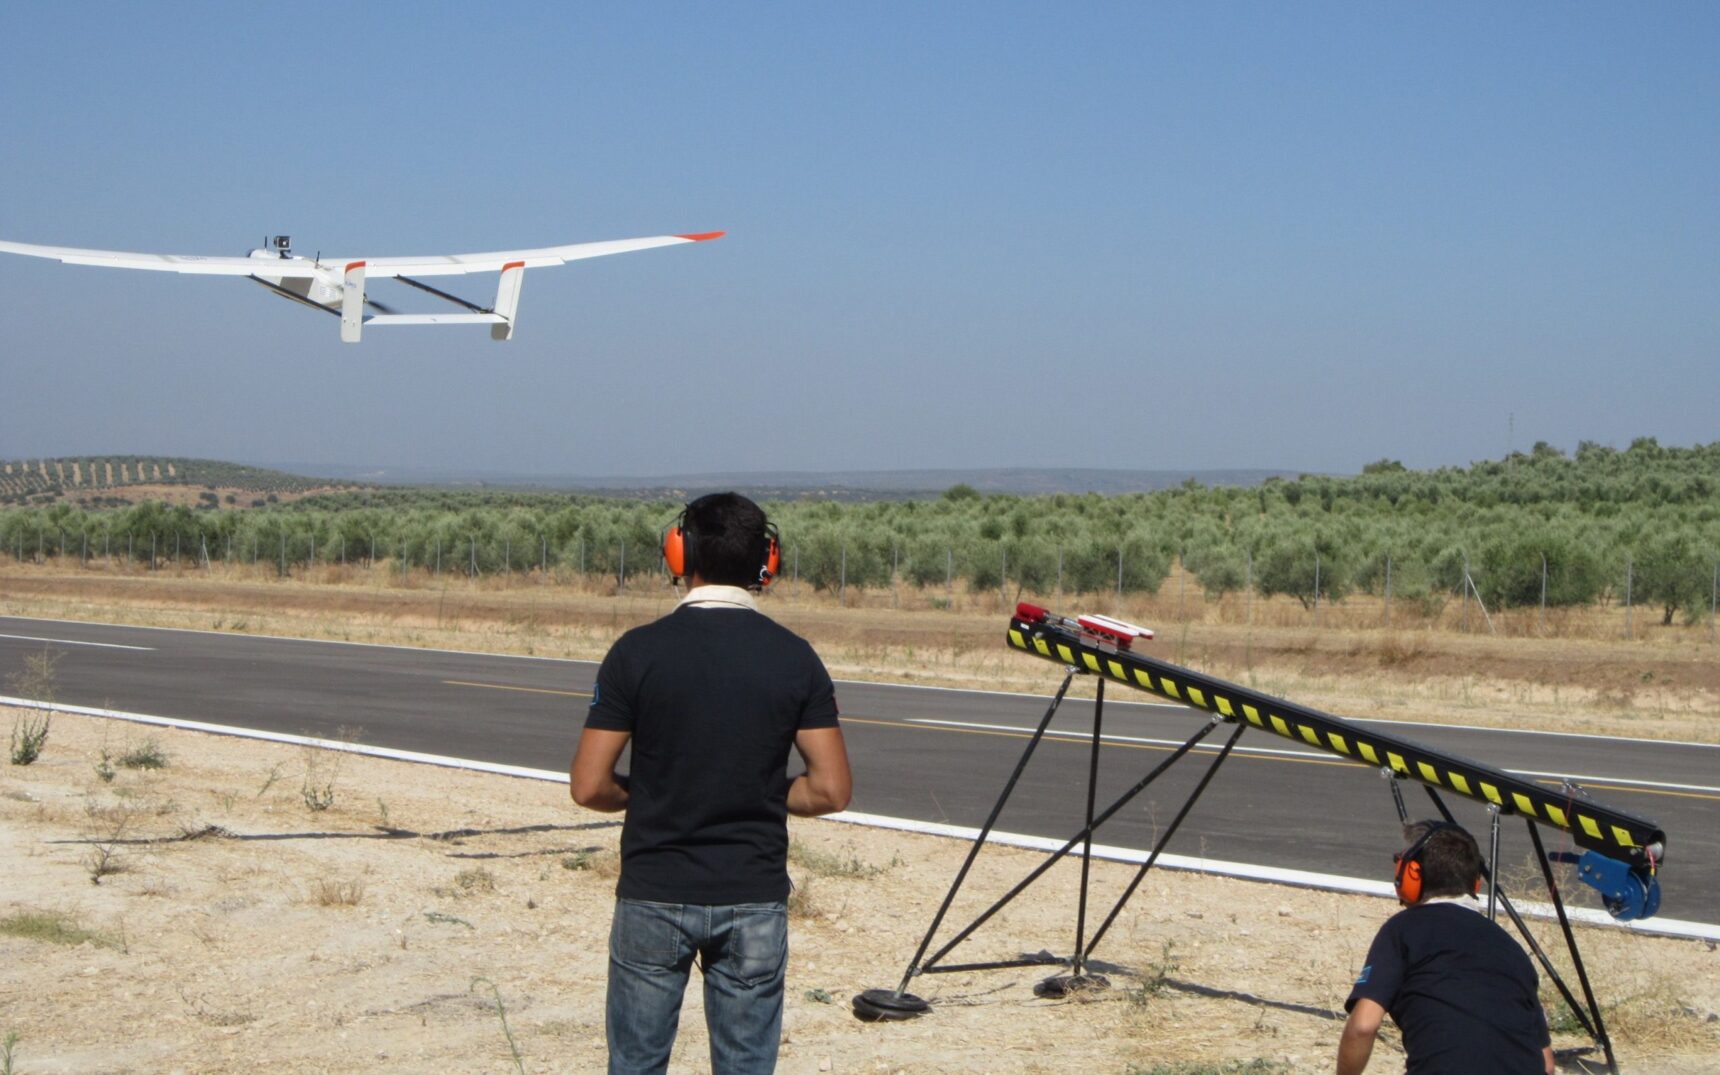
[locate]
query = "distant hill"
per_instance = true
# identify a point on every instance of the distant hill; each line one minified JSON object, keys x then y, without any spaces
{"x":799,"y":485}
{"x":113,"y":480}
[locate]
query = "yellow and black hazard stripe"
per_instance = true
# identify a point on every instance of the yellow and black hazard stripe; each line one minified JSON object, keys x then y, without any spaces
{"x":1611,"y":832}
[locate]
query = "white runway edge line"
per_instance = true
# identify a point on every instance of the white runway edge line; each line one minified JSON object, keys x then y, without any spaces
{"x":75,"y":642}
{"x":1656,"y":927}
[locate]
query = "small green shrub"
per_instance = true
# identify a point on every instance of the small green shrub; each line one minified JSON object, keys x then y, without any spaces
{"x":146,"y":755}
{"x":29,"y":736}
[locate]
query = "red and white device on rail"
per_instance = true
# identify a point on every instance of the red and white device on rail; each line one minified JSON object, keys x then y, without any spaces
{"x":1103,"y":629}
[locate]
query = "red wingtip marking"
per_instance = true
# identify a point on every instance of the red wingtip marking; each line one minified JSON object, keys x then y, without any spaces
{"x":351,"y":265}
{"x":703,"y":236}
{"x":513,"y":265}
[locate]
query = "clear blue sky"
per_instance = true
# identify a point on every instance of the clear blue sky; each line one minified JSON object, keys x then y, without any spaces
{"x":1200,"y":235}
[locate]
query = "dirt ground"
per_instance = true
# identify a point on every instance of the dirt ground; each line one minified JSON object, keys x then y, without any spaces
{"x":205,"y":915}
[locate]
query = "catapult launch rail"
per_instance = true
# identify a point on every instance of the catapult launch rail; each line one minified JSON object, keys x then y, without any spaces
{"x":1092,"y":644}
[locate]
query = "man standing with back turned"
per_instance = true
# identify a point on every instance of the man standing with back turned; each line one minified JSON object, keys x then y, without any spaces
{"x":1458,"y":987}
{"x":711,"y":697}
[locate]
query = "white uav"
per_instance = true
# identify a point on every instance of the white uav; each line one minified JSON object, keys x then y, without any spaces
{"x":337,"y":284}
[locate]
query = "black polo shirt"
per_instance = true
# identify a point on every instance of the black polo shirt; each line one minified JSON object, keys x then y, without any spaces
{"x":712,"y":698}
{"x":1461,"y":990}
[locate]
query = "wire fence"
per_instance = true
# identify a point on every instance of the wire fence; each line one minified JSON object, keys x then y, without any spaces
{"x":1521,"y":598}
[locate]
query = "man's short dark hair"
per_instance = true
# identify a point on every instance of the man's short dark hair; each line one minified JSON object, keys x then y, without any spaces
{"x":730,"y":538}
{"x":1450,"y":860}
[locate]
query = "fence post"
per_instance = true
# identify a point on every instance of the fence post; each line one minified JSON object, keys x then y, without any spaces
{"x":1466,"y":586}
{"x":842,"y":592}
{"x":1119,"y":576}
{"x":438,"y":556}
{"x":474,"y":556}
{"x":621,"y":579}
{"x":895,"y":575}
{"x":1713,"y":594}
{"x":152,"y":550}
{"x":1316,"y":588}
{"x":1541,"y":624}
{"x":950,"y":577}
{"x":283,"y":554}
{"x":1003,"y":576}
{"x":1629,"y":608}
{"x":1247,"y":583}
{"x":1388,"y":590}
{"x":1182,"y":581}
{"x":1059,"y":574}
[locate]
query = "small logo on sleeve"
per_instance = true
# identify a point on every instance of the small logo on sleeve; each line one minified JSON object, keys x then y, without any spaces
{"x":1367,"y":970}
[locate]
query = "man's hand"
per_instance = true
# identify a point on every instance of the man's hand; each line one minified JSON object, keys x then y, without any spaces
{"x":591,"y":778}
{"x":1357,"y":1043}
{"x":827,"y":785}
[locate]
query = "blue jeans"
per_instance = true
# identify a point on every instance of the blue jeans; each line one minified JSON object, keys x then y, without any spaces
{"x":742,"y":951}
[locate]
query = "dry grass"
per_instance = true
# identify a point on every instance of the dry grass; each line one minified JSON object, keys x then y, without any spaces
{"x":54,"y":927}
{"x":337,"y":891}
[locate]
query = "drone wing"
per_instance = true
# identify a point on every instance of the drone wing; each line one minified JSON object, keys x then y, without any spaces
{"x":190,"y":263}
{"x":496,"y":261}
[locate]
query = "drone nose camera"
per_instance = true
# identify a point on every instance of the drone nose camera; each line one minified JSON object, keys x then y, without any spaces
{"x":283,"y":243}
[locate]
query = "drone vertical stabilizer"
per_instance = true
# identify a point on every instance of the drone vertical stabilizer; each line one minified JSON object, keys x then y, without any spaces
{"x":352,"y":303}
{"x":508,"y":299}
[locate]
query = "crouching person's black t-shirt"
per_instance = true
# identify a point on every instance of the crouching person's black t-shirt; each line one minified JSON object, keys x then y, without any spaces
{"x":1461,"y":990}
{"x":713,"y":698}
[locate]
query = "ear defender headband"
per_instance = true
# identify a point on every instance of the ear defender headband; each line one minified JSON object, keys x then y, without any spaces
{"x":679,"y":543}
{"x":1408,"y":863}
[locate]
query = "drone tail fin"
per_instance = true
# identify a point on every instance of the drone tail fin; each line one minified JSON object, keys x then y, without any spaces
{"x":508,"y":299}
{"x":352,"y":303}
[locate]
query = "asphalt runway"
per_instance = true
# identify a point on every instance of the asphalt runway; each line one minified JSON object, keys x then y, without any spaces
{"x":924,"y":754}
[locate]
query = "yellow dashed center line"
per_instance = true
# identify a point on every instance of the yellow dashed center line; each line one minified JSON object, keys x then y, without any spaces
{"x":1706,"y":795}
{"x":1053,"y":737}
{"x":506,"y":687}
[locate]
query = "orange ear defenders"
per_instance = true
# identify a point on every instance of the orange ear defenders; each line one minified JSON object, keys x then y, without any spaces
{"x":679,"y":543}
{"x":1408,"y":864}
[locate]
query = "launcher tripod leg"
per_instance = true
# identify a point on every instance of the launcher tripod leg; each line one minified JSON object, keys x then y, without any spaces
{"x":876,"y":1004}
{"x":1039,"y":871}
{"x":1140,"y":875}
{"x":1080,"y":965}
{"x":1599,"y":1030}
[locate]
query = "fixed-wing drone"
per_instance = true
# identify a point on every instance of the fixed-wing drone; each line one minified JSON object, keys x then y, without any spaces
{"x":336,"y":285}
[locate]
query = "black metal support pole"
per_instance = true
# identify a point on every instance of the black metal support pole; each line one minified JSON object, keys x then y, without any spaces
{"x":1140,"y":875}
{"x":1600,"y":1030}
{"x":1493,"y":858}
{"x":1104,"y":816}
{"x":991,"y":819}
{"x":1397,"y":795}
{"x":1087,"y":844}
